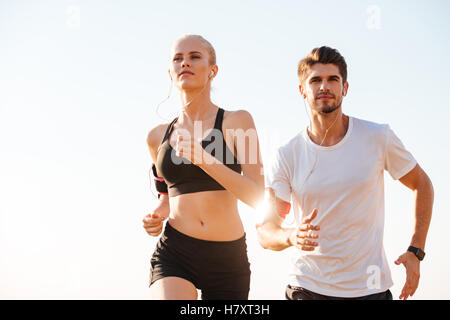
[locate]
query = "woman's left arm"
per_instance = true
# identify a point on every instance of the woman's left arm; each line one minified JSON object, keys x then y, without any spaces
{"x":239,"y":131}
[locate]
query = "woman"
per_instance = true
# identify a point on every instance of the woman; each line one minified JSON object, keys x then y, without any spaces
{"x":203,"y":244}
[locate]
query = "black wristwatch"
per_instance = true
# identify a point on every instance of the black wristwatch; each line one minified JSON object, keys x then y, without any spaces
{"x":419,"y":253}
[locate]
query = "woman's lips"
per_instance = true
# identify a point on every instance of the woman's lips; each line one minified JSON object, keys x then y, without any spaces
{"x":185,"y":73}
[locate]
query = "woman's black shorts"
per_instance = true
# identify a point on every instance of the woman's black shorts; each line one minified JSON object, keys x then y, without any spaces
{"x":220,"y":269}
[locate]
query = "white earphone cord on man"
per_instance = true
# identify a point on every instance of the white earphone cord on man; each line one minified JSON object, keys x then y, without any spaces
{"x":316,"y":153}
{"x":316,"y":157}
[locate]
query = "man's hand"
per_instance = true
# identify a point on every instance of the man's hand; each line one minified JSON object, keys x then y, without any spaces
{"x":412,"y":265}
{"x":302,"y":236}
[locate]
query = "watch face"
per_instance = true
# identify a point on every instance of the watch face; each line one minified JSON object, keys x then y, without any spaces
{"x":420,"y":254}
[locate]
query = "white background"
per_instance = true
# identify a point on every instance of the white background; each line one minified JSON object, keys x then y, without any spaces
{"x":79,"y":86}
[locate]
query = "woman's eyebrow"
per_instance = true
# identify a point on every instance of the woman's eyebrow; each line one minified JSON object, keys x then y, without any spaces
{"x":180,"y":53}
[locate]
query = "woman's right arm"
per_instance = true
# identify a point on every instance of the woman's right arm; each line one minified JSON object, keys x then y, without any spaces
{"x":153,"y":221}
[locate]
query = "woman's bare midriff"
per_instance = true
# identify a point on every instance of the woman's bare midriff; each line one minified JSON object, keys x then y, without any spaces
{"x":206,"y":215}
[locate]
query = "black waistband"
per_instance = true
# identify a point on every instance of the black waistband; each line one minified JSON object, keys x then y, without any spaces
{"x":171,"y":231}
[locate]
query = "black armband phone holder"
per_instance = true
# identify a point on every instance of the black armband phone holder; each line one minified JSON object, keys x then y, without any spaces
{"x":160,"y":184}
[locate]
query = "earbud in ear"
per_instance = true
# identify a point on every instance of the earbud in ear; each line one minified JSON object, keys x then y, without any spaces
{"x":211,"y":74}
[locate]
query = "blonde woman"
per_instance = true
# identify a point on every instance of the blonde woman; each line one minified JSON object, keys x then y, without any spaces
{"x":203,"y":244}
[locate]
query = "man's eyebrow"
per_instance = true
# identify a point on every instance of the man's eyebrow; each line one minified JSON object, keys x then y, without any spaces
{"x":329,"y":77}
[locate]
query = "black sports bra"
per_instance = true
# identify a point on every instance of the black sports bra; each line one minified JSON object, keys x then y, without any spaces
{"x":181,"y":175}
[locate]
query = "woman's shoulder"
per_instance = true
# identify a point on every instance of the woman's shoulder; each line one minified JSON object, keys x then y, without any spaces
{"x":237,"y":119}
{"x":156,"y":135}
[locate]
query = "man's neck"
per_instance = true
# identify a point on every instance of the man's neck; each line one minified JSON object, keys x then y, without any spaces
{"x":328,"y":129}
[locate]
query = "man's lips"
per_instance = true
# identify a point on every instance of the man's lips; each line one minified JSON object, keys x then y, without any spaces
{"x":325,"y":97}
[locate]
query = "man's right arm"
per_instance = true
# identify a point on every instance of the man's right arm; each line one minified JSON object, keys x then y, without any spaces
{"x":271,"y":235}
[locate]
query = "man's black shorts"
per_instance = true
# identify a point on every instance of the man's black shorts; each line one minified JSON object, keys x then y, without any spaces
{"x":299,"y":293}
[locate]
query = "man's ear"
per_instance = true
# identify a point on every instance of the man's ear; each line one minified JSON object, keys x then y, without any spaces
{"x":345,"y":90}
{"x":170,"y":76}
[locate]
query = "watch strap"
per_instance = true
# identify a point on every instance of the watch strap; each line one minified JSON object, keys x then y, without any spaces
{"x":419,"y":253}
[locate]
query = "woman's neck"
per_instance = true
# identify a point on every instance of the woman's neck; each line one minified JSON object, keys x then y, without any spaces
{"x":196,"y":105}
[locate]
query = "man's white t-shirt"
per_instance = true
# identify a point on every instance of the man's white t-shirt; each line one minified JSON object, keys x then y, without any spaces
{"x":347,"y":187}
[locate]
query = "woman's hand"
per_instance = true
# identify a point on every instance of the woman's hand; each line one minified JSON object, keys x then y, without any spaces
{"x":153,"y":222}
{"x":193,"y":151}
{"x":248,"y":186}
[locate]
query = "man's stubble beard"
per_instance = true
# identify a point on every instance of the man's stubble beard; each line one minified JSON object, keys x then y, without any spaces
{"x":328,"y":109}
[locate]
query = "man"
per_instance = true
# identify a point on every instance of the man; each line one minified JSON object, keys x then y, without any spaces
{"x":333,"y":170}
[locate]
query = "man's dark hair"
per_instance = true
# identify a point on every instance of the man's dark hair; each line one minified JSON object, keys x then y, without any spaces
{"x":323,"y":55}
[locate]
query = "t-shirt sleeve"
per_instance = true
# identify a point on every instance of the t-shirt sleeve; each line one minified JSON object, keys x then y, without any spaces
{"x":398,"y":161}
{"x":278,"y":177}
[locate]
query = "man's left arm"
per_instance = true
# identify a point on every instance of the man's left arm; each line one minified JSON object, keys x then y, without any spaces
{"x":419,"y":182}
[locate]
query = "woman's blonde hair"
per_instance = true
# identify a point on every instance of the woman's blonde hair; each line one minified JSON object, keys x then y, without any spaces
{"x":208,"y":45}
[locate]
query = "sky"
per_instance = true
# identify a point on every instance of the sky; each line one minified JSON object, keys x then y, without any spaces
{"x":80,"y":82}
